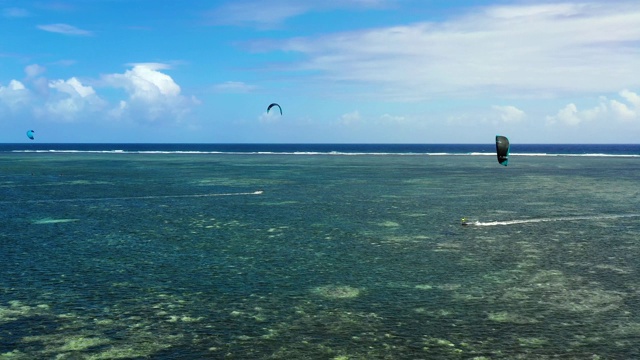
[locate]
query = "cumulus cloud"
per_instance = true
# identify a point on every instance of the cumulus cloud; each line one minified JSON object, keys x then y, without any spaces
{"x":16,"y":85}
{"x":567,"y":115}
{"x":65,"y":29}
{"x":631,"y":97}
{"x":597,"y":112}
{"x":629,"y":111}
{"x":34,"y":77}
{"x":606,"y":110}
{"x":152,"y":95}
{"x":351,"y":118}
{"x":145,"y":82}
{"x":529,"y":50}
{"x":34,"y":70}
{"x":70,"y":100}
{"x":14,"y":96}
{"x":509,"y":113}
{"x":622,"y":111}
{"x":72,"y":87}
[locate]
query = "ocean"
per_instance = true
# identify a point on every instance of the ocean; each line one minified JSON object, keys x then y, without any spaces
{"x":319,"y":251}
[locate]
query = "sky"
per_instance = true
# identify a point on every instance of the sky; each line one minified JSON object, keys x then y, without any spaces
{"x":343,"y":71}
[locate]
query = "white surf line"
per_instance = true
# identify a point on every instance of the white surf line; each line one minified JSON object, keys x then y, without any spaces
{"x":571,"y":218}
{"x":259,"y":192}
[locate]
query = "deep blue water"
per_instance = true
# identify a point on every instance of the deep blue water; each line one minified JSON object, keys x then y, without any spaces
{"x":218,"y":251}
{"x":539,"y":149}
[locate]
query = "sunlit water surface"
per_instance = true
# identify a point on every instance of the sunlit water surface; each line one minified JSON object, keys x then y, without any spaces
{"x":167,"y":256}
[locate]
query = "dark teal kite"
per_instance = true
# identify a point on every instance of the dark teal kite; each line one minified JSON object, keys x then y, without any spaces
{"x":272,"y":105}
{"x":502,"y":149}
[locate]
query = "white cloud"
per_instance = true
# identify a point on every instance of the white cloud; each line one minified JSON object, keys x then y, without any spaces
{"x":529,"y":50}
{"x":118,"y":111}
{"x":270,"y":117}
{"x":622,"y":111}
{"x":509,"y":113}
{"x":606,"y":110}
{"x":631,"y":97}
{"x":16,"y":85}
{"x":144,"y":82}
{"x":153,"y":95}
{"x":393,"y":119}
{"x":627,"y":112}
{"x":567,"y":115}
{"x":38,"y":83}
{"x":14,"y":96}
{"x":234,"y":87}
{"x":15,"y":12}
{"x":72,"y":87}
{"x":255,"y":13}
{"x":65,"y":29}
{"x":597,"y":112}
{"x":542,"y":10}
{"x":71,"y":100}
{"x":34,"y":70}
{"x":351,"y":118}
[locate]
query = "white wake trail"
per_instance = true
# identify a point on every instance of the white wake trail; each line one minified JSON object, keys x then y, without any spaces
{"x":567,"y":218}
{"x":259,"y":192}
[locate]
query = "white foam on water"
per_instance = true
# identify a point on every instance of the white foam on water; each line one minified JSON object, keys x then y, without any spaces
{"x":52,"y":221}
{"x":567,"y":218}
{"x":330,"y":153}
{"x":259,"y":192}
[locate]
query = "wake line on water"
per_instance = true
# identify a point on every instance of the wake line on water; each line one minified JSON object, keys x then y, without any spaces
{"x":567,"y":218}
{"x":132,"y":198}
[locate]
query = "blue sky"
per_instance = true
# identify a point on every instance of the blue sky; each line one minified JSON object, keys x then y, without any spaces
{"x":344,"y":71}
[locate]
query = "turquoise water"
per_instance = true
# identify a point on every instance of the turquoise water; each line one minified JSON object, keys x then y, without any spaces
{"x":167,"y":256}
